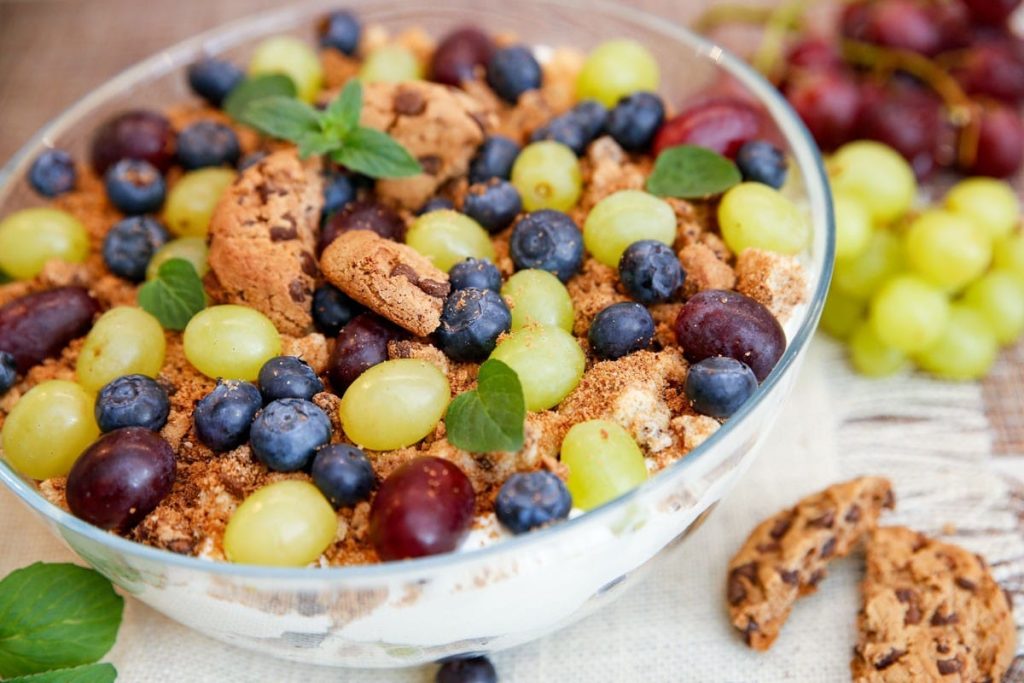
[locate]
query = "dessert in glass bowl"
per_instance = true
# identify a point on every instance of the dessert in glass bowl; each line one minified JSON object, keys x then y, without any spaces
{"x":326,"y":314}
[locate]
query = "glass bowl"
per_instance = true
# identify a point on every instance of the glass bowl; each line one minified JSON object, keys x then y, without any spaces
{"x":406,"y":613}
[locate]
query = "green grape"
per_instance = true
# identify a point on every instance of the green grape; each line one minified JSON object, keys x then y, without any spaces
{"x":394,"y":404}
{"x":966,"y":348}
{"x":191,"y":249}
{"x":615,"y":69}
{"x":549,"y":363}
{"x":191,"y":201}
{"x":536,"y":297}
{"x":48,"y":428}
{"x":547,"y":175}
{"x":231,"y":342}
{"x":853,"y":226}
{"x":877,"y":175}
{"x":873,"y":358}
{"x":447,"y":237}
{"x":625,"y":217}
{"x":124,"y":341}
{"x":947,"y":249}
{"x":908,"y":314}
{"x":1009,"y":255}
{"x":990,"y":202}
{"x":285,"y":524}
{"x":390,"y":64}
{"x":604,"y":462}
{"x":842,"y":314}
{"x":31,"y":237}
{"x":861,"y":276}
{"x":758,"y":216}
{"x":997,"y":295}
{"x":292,"y":57}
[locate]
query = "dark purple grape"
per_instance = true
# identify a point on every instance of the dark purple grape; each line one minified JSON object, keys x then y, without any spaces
{"x":364,"y":215}
{"x":1000,"y":143}
{"x":424,"y":508}
{"x":459,"y":54}
{"x":899,"y":25}
{"x":717,"y":322}
{"x":361,"y":344}
{"x":828,"y":102}
{"x":991,"y":11}
{"x":993,"y":70}
{"x":139,"y":134}
{"x":720,"y":125}
{"x":121,"y":478}
{"x":38,"y":326}
{"x":814,"y":53}
{"x":906,"y":118}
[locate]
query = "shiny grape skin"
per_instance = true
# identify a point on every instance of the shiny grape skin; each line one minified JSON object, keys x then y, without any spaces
{"x":813,"y":53}
{"x":828,"y":102}
{"x":717,"y":322}
{"x":425,"y":507}
{"x":721,"y":126}
{"x":121,"y":478}
{"x":459,"y":54}
{"x":991,"y":11}
{"x":1000,"y":144}
{"x":363,"y":215}
{"x":38,"y":326}
{"x":993,"y":70}
{"x":361,"y":344}
{"x":138,"y":134}
{"x":906,"y":118}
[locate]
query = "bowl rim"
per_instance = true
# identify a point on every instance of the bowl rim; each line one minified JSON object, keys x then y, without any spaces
{"x":805,"y":153}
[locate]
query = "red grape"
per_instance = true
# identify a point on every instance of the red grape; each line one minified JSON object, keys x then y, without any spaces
{"x":717,"y":322}
{"x":424,"y":508}
{"x":363,"y":215}
{"x":991,"y":11}
{"x":993,"y":70}
{"x":828,"y":102}
{"x":459,"y":54}
{"x":361,"y":344}
{"x":719,"y":125}
{"x":139,"y":134}
{"x":922,"y":27}
{"x":1000,"y":143}
{"x":905,"y":117}
{"x":814,"y":53}
{"x":38,"y":326}
{"x":121,"y":478}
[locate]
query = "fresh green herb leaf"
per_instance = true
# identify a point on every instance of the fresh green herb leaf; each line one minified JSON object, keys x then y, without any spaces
{"x":491,"y":417}
{"x":54,"y":616}
{"x":90,"y":673}
{"x":4,"y":278}
{"x":257,"y":88}
{"x":282,"y":117}
{"x":174,"y":295}
{"x":691,"y":172}
{"x":343,"y":113}
{"x":373,"y":153}
{"x":312,"y":144}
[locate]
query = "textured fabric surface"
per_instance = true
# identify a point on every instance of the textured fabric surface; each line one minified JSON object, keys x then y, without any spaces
{"x":932,"y":439}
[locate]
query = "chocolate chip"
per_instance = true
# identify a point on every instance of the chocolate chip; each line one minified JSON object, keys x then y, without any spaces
{"x":781,"y":527}
{"x":853,"y":514}
{"x":280,"y":233}
{"x":436,"y":289}
{"x":942,"y":648}
{"x":889,"y":659}
{"x":308,"y":263}
{"x":824,"y":521}
{"x":791,"y":577}
{"x":919,"y":542}
{"x":263,"y":192}
{"x":768,"y":547}
{"x":966,"y":584}
{"x":297,"y":291}
{"x":736,"y":591}
{"x":409,"y":102}
{"x":829,"y":548}
{"x":749,"y":631}
{"x":939,"y":619}
{"x":910,"y":598}
{"x":431,"y":164}
{"x":949,"y":666}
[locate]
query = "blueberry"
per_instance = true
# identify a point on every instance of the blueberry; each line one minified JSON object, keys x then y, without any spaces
{"x":341,"y":31}
{"x":251,"y":159}
{"x":343,"y":474}
{"x":566,"y":129}
{"x":760,"y":161}
{"x":547,"y":240}
{"x":135,"y":186}
{"x":471,"y":321}
{"x":132,"y":401}
{"x":650,"y":271}
{"x":436,"y":204}
{"x":288,"y":377}
{"x":8,"y":372}
{"x":619,"y":330}
{"x":529,"y":500}
{"x":476,"y":274}
{"x":592,"y":116}
{"x":338,"y":192}
{"x":208,"y":143}
{"x":222,"y":417}
{"x":212,"y":79}
{"x":332,"y":309}
{"x":468,"y":670}
{"x":494,"y":205}
{"x":53,"y":173}
{"x":634,"y":121}
{"x":493,"y":159}
{"x":130,"y":244}
{"x":512,"y":71}
{"x":286,"y":434}
{"x":719,"y":385}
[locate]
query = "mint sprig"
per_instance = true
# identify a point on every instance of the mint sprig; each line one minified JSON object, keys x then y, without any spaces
{"x":691,"y":172}
{"x":54,"y":617}
{"x":90,"y":673}
{"x":174,"y":295}
{"x":491,"y":417}
{"x":256,"y":88}
{"x":334,"y":132}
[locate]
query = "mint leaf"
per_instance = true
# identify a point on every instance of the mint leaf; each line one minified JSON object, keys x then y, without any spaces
{"x":311,"y":144}
{"x":342,"y":114}
{"x":491,"y":417}
{"x":282,"y":117}
{"x":691,"y":172}
{"x":54,"y":616}
{"x":256,"y":88}
{"x":373,"y":153}
{"x":90,"y":673}
{"x":4,"y":278}
{"x":174,"y":295}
